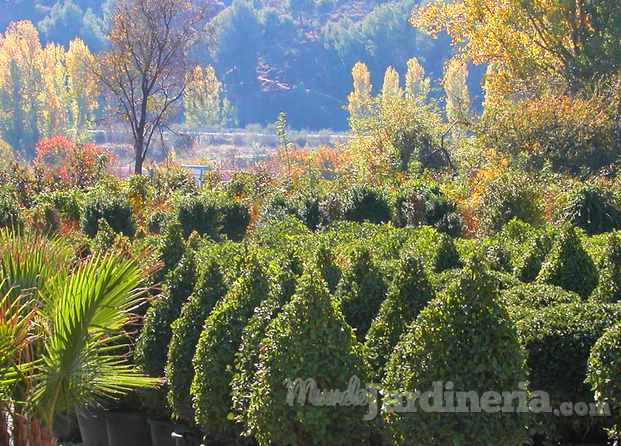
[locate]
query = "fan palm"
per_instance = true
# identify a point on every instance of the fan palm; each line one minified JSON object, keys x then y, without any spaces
{"x":69,"y":316}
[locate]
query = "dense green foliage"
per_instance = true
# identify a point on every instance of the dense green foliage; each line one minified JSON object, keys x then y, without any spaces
{"x":364,"y":203}
{"x":609,"y":286}
{"x":10,"y":216}
{"x":447,"y":256}
{"x":465,"y":337}
{"x":116,"y":210}
{"x":592,"y":209}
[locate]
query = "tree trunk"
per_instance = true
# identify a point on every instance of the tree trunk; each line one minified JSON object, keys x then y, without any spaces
{"x":138,"y":148}
{"x":4,"y":429}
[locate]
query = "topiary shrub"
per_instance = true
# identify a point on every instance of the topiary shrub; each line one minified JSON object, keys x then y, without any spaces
{"x":409,"y":293}
{"x":609,"y":285}
{"x":235,"y":219}
{"x":186,"y":331}
{"x":331,"y":273}
{"x":308,"y":209}
{"x":442,"y":214}
{"x":410,"y":207}
{"x":330,"y":209}
{"x":309,"y":339}
{"x":530,"y":264}
{"x":499,"y":258}
{"x":558,"y":340}
{"x":604,"y":374}
{"x":200,"y":214}
{"x":152,"y":344}
{"x":463,"y":336}
{"x":523,"y":299}
{"x":215,"y":352}
{"x":361,"y":291}
{"x":447,"y":256}
{"x":365,"y":203}
{"x":569,"y":265}
{"x":277,"y":207}
{"x":116,"y":210}
{"x":157,"y":222}
{"x":592,"y":209}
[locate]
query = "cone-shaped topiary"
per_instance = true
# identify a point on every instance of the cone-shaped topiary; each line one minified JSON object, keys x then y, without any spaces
{"x":309,"y":339}
{"x":156,"y":333}
{"x":604,"y":374}
{"x":530,"y":264}
{"x":331,"y":273}
{"x":526,"y":298}
{"x":609,"y":286}
{"x":447,"y":256}
{"x":569,"y":265}
{"x":287,"y":273}
{"x":559,"y":339}
{"x":217,"y":345}
{"x":186,"y":331}
{"x":408,"y":294}
{"x":361,"y":291}
{"x":462,"y":337}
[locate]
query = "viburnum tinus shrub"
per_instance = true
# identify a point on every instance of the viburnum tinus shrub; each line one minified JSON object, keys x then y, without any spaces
{"x":235,"y":216}
{"x":361,"y":291}
{"x":170,"y":248}
{"x":443,"y":214}
{"x":558,"y":340}
{"x":569,"y":265}
{"x":609,"y":286}
{"x":217,"y":345}
{"x":308,"y":209}
{"x":604,"y":374}
{"x":309,"y":339}
{"x":186,"y":331}
{"x":200,"y":214}
{"x":464,"y":337}
{"x":530,"y":264}
{"x":409,"y":293}
{"x":330,"y":271}
{"x":410,"y":206}
{"x":10,"y":214}
{"x":114,"y":208}
{"x":447,"y":256}
{"x":152,"y":344}
{"x":593,"y":210}
{"x":366,"y":203}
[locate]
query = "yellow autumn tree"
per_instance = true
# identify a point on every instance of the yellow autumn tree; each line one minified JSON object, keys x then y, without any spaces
{"x":532,"y":43}
{"x":416,"y":84}
{"x":53,"y":97}
{"x":359,"y":101}
{"x":82,"y":88}
{"x":456,"y":88}
{"x":391,"y":87}
{"x":202,"y":97}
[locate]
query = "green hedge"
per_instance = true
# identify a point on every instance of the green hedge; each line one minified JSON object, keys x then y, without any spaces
{"x":116,"y":210}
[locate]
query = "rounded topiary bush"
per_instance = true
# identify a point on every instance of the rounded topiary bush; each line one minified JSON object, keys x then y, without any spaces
{"x":186,"y":331}
{"x":569,"y":265}
{"x":217,"y":345}
{"x":447,"y":256}
{"x":309,"y":339}
{"x":609,"y":286}
{"x":308,"y":209}
{"x":463,"y":337}
{"x":361,"y":291}
{"x":235,"y":219}
{"x":200,"y":214}
{"x":116,"y":210}
{"x":523,"y":299}
{"x":409,"y":293}
{"x":410,"y":207}
{"x":443,"y":214}
{"x":593,"y":210}
{"x":604,"y":374}
{"x":558,"y":340}
{"x":157,"y":221}
{"x":365,"y":203}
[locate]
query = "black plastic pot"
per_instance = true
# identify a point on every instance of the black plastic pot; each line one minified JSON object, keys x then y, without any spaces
{"x":65,"y":428}
{"x":161,"y":431}
{"x":128,"y":428}
{"x":186,"y":437}
{"x":93,"y":427}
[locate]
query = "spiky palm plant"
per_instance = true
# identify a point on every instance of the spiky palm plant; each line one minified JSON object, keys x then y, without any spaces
{"x":71,"y":314}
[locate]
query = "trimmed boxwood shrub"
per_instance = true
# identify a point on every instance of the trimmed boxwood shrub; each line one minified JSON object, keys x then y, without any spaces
{"x":277,"y":207}
{"x":523,"y":299}
{"x":408,"y":294}
{"x":217,"y":345}
{"x":186,"y":331}
{"x":463,"y":336}
{"x":361,"y":291}
{"x":331,"y":273}
{"x":330,"y":209}
{"x":530,"y":265}
{"x":152,"y":343}
{"x":410,"y":207}
{"x":365,"y":203}
{"x":116,"y":210}
{"x":308,"y":209}
{"x":604,"y":374}
{"x":235,"y":218}
{"x":442,"y":214}
{"x":499,"y":258}
{"x":309,"y":339}
{"x":569,"y":265}
{"x":200,"y":214}
{"x":592,"y":209}
{"x":447,"y":256}
{"x":559,"y":339}
{"x":609,"y":286}
{"x":157,"y":221}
